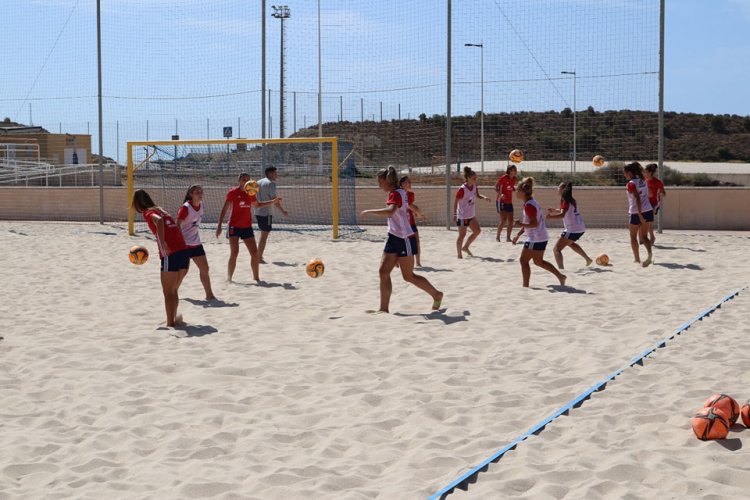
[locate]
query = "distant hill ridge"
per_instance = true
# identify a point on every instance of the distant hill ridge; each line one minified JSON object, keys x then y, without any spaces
{"x":546,"y":135}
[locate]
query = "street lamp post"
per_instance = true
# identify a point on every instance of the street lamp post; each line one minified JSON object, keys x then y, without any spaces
{"x":574,"y":115}
{"x":281,"y":12}
{"x":481,"y":108}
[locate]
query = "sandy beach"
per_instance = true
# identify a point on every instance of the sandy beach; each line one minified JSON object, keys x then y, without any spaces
{"x":290,"y":389}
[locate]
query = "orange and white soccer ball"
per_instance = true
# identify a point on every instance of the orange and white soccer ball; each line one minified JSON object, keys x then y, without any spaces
{"x":251,"y":187}
{"x":598,"y":161}
{"x":602,"y":260}
{"x":315,"y":268}
{"x":138,"y":255}
{"x":516,"y":156}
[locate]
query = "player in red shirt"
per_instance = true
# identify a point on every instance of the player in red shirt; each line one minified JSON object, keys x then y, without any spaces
{"x":175,"y":256}
{"x":241,"y":225}
{"x":405,"y":183}
{"x":504,"y":188}
{"x":656,"y":193}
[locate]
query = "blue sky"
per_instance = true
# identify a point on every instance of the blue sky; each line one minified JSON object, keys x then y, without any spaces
{"x":193,"y":66}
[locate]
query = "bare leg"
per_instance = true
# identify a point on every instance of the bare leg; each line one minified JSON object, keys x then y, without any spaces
{"x":234,"y":251}
{"x":577,"y":249}
{"x":557,"y":251}
{"x":500,"y":224}
{"x":645,"y":227}
{"x":419,"y":250}
{"x":170,"y":283}
{"x":538,"y":256}
{"x":386,"y":286}
{"x":262,"y":245}
{"x":407,"y":272}
{"x":509,"y":221}
{"x":202,"y":263}
{"x":525,"y":267}
{"x":254,"y":261}
{"x":460,"y":241}
{"x":475,"y":230}
{"x":634,"y":242}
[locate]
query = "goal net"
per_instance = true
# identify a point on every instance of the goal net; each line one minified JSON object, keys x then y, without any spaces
{"x":315,"y":178}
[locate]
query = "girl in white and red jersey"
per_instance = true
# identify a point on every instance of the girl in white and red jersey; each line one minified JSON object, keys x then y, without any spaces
{"x":414,"y":214}
{"x":401,"y":245}
{"x":572,"y":222}
{"x":464,"y":211}
{"x":639,"y":210}
{"x":532,"y":223}
{"x":504,"y":188}
{"x":188,"y":220}
{"x":175,"y":257}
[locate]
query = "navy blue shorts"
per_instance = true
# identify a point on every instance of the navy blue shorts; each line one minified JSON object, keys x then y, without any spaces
{"x":571,"y":236}
{"x":535,"y":245}
{"x":464,"y":222}
{"x":647,"y":216}
{"x":196,"y":251}
{"x":503,"y":207}
{"x":264,"y":222}
{"x":176,"y":261}
{"x":242,"y":233}
{"x":403,"y":247}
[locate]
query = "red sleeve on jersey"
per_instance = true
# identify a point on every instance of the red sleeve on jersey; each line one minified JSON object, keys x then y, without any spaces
{"x":182,"y":213}
{"x":460,"y":193}
{"x":660,"y":186}
{"x":530,"y":211}
{"x":499,"y":184}
{"x":410,"y":197}
{"x":631,"y":187}
{"x":564,"y":205}
{"x":394,"y":199}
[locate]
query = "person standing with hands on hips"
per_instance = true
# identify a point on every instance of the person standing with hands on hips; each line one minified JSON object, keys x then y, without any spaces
{"x":263,"y":215}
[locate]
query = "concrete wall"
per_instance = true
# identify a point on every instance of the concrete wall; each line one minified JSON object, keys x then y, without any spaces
{"x":685,"y":208}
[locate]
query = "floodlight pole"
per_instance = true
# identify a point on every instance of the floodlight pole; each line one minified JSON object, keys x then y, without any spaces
{"x":481,"y":109}
{"x":281,"y":12}
{"x":101,"y":140}
{"x":660,"y":158}
{"x":574,"y":116}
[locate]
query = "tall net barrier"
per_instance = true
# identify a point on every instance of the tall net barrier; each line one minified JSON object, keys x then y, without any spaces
{"x":314,"y":179}
{"x":562,"y":81}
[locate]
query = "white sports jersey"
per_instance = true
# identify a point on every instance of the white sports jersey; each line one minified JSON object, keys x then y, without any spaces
{"x":572,"y":220}
{"x":191,"y":225}
{"x":641,"y":190}
{"x":539,"y":233}
{"x":398,"y":222}
{"x":467,"y":205}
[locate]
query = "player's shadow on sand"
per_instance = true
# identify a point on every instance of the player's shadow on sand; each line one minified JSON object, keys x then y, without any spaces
{"x":566,"y":289}
{"x":590,"y":270}
{"x":211,"y":303}
{"x":489,"y":259}
{"x":285,"y":286}
{"x":439,"y":315}
{"x":672,"y":265}
{"x":283,"y":264}
{"x":662,"y":247}
{"x":428,"y":269}
{"x":267,"y":284}
{"x":184,"y":331}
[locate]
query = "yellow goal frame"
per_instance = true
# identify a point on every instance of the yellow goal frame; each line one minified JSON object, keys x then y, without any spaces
{"x":333,"y":141}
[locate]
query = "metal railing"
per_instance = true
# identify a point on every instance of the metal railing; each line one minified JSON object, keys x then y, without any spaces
{"x":28,"y":173}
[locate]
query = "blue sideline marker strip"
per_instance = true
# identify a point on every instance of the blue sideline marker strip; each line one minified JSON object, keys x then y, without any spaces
{"x":471,"y":476}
